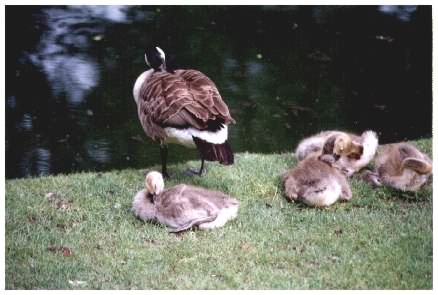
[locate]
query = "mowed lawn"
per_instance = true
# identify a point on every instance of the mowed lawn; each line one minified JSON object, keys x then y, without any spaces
{"x":77,"y":232}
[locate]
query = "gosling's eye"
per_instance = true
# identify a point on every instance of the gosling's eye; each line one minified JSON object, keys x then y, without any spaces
{"x":354,"y":156}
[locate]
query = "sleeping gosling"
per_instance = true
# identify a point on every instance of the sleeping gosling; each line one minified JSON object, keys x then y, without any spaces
{"x":183,"y":206}
{"x":316,"y":183}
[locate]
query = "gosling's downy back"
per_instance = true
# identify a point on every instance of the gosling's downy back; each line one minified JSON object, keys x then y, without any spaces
{"x":315,"y":183}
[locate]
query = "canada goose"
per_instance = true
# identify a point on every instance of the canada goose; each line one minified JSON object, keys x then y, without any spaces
{"x":352,"y":152}
{"x":183,"y":107}
{"x":183,"y":206}
{"x":401,"y":166}
{"x":316,"y":183}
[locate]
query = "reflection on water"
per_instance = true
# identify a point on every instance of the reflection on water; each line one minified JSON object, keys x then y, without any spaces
{"x":63,"y":51}
{"x":35,"y":161}
{"x":98,"y":150}
{"x":286,"y":72}
{"x":404,"y":13}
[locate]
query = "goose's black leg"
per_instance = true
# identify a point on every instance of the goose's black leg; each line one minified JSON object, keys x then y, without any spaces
{"x":199,"y":172}
{"x":202,"y":169}
{"x":163,"y":155}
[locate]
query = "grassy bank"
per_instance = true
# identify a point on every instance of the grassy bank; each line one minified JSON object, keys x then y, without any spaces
{"x":77,"y":231}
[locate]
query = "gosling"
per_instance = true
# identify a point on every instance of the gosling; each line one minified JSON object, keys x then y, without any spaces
{"x":183,"y":206}
{"x":316,"y":183}
{"x":401,"y":166}
{"x":352,"y":152}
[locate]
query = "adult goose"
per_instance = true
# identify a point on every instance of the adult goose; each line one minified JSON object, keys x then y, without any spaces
{"x":182,"y":207}
{"x":182,"y":107}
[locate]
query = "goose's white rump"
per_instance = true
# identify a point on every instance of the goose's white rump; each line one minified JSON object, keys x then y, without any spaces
{"x":185,"y":136}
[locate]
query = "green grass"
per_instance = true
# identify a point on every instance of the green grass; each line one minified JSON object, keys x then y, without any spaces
{"x":382,"y":239}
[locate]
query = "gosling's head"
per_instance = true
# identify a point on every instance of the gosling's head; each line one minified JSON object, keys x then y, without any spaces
{"x":345,"y":146}
{"x":154,"y":183}
{"x":342,"y":143}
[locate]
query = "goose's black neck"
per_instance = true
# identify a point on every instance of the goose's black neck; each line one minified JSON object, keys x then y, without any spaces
{"x":166,"y":69}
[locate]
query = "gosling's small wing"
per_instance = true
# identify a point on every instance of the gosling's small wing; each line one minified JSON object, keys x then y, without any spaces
{"x":194,"y":222}
{"x":185,"y":98}
{"x":419,"y":165}
{"x":412,"y":158}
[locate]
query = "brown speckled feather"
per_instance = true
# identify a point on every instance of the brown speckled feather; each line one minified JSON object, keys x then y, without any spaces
{"x":183,"y":98}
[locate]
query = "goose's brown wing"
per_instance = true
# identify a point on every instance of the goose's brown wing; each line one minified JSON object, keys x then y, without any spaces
{"x":209,"y":104}
{"x":181,"y":99}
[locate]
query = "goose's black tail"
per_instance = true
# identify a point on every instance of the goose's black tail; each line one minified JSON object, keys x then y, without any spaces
{"x":215,"y":152}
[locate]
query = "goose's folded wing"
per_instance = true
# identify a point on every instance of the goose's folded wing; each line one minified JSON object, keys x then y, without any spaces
{"x":205,"y":93}
{"x":184,"y":98}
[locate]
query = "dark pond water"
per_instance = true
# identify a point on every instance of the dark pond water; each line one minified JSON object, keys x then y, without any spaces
{"x":285,"y":72}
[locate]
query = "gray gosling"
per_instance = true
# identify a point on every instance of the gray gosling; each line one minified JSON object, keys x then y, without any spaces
{"x":316,"y":183}
{"x":183,"y":206}
{"x":401,"y":166}
{"x":351,"y":151}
